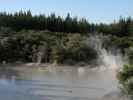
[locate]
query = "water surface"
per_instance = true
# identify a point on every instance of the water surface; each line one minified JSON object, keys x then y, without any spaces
{"x":58,"y":83}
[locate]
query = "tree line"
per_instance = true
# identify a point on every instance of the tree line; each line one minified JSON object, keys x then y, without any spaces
{"x":25,"y":20}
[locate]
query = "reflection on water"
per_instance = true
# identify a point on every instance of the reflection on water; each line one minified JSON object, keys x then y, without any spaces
{"x":58,"y":83}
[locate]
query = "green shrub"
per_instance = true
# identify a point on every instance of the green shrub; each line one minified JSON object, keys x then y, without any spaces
{"x":125,"y":77}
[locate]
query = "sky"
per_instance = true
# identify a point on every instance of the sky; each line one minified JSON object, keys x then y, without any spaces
{"x":96,"y":11}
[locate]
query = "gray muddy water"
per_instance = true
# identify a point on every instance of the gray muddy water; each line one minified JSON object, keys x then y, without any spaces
{"x":58,"y":83}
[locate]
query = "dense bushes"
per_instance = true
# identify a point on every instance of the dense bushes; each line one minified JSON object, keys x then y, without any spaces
{"x":125,"y":77}
{"x":30,"y":46}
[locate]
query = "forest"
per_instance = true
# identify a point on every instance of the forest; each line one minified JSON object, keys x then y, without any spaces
{"x":28,"y":38}
{"x":26,"y":21}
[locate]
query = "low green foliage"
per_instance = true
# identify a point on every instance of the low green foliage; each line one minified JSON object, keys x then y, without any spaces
{"x":125,"y":77}
{"x":56,"y":47}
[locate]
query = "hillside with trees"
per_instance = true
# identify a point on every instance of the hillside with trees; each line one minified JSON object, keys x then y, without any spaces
{"x":26,"y":37}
